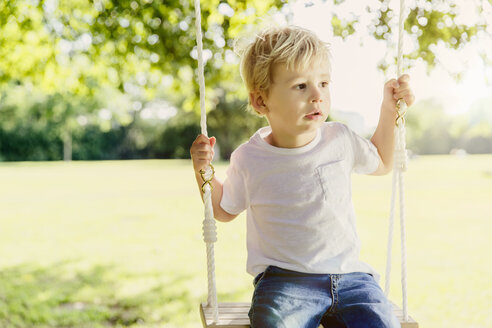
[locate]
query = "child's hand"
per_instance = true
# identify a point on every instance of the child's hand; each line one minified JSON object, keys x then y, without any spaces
{"x":394,"y":90}
{"x":202,"y":152}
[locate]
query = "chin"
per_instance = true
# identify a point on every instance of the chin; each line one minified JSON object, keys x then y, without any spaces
{"x":312,"y":128}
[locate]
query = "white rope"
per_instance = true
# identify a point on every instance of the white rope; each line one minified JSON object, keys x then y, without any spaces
{"x":400,"y":166}
{"x":209,"y":229}
{"x":201,"y":76}
{"x":210,"y":237}
{"x":390,"y":236}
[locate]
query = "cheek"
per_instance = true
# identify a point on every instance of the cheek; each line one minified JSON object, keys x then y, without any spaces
{"x":328,"y":98}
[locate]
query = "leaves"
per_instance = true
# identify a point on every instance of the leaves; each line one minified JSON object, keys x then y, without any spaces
{"x":79,"y":46}
{"x":431,"y":27}
{"x":77,"y":50}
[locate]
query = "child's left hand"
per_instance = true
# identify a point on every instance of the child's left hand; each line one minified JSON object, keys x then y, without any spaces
{"x":397,"y":89}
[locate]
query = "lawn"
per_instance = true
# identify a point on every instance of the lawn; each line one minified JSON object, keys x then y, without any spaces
{"x":118,"y":243}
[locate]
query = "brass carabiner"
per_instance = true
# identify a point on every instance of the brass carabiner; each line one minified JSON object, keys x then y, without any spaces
{"x":207,"y":181}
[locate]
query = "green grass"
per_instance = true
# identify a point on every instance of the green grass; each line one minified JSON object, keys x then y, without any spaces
{"x":118,"y":243}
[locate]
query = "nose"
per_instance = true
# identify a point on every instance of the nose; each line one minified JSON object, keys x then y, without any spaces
{"x":316,"y":95}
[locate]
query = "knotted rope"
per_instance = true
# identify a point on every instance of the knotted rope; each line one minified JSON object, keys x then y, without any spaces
{"x":400,"y":166}
{"x":209,"y":229}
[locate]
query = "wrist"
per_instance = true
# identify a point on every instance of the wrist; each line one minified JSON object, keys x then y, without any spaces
{"x":388,"y":109}
{"x":198,"y":171}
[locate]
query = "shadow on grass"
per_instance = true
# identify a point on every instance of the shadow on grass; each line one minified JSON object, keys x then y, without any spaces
{"x":61,"y":296}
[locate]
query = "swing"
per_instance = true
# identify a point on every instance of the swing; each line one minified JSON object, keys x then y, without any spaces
{"x":235,"y":315}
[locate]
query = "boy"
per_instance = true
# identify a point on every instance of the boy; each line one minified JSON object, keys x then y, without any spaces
{"x":293,"y":178}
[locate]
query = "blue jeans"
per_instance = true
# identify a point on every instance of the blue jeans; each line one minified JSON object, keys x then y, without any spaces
{"x":289,"y":299}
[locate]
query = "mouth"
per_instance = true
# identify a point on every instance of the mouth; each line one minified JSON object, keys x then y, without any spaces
{"x":314,"y":114}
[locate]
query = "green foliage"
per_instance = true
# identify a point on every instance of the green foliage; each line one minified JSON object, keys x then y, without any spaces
{"x":431,"y":27}
{"x":432,"y":131}
{"x":35,"y":132}
{"x":78,"y":51}
{"x":342,"y":28}
{"x":30,"y":124}
{"x":58,"y":296}
{"x":232,"y":124}
{"x":91,"y":143}
{"x":65,"y":60}
{"x":81,"y":46}
{"x":30,"y":143}
{"x":382,"y":28}
{"x":430,"y":23}
{"x":39,"y":297}
{"x":175,"y":141}
{"x":229,"y":122}
{"x":89,"y":44}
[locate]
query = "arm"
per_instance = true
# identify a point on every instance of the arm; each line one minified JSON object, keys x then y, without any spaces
{"x":202,"y":153}
{"x":384,"y":136}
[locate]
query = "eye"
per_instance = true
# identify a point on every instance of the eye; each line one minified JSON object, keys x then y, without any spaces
{"x":324,"y":84}
{"x":301,"y":86}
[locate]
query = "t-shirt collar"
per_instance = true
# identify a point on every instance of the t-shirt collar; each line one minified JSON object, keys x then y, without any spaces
{"x":259,"y":138}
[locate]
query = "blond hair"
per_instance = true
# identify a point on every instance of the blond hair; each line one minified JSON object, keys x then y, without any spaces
{"x":291,"y":45}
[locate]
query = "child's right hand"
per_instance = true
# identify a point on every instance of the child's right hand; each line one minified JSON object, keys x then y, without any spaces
{"x":202,"y":152}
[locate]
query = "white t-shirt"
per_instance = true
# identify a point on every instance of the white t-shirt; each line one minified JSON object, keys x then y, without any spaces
{"x":300,"y":214}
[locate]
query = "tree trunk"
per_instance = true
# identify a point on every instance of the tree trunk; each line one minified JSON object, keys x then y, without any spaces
{"x":67,"y":145}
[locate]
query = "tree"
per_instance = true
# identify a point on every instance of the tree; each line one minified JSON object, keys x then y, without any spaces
{"x":80,"y":49}
{"x":432,"y":25}
{"x":134,"y":45}
{"x":429,"y":128}
{"x":432,"y":131}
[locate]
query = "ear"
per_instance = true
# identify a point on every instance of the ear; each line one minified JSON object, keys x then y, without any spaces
{"x":257,"y":100}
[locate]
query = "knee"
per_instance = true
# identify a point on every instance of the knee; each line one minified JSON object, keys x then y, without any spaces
{"x":262,"y":316}
{"x":378,"y":316}
{"x":387,"y":316}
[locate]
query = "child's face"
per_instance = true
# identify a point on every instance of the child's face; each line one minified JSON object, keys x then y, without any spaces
{"x":298,"y":102}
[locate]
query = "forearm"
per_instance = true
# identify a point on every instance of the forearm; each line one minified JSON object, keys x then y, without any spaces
{"x":217,"y":191}
{"x":384,"y":138}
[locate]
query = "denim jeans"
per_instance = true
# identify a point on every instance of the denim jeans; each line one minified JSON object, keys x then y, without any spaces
{"x":289,"y":299}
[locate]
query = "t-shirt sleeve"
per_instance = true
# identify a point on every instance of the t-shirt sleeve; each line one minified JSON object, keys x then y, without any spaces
{"x":234,"y":192}
{"x":365,"y":155}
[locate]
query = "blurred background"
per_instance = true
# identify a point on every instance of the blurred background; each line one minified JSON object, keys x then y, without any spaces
{"x":92,"y":80}
{"x":86,"y":242}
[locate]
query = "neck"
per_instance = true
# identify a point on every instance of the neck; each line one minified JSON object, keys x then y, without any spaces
{"x":290,"y":141}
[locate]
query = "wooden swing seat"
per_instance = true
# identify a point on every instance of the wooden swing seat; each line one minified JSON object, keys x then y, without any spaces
{"x":235,"y":315}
